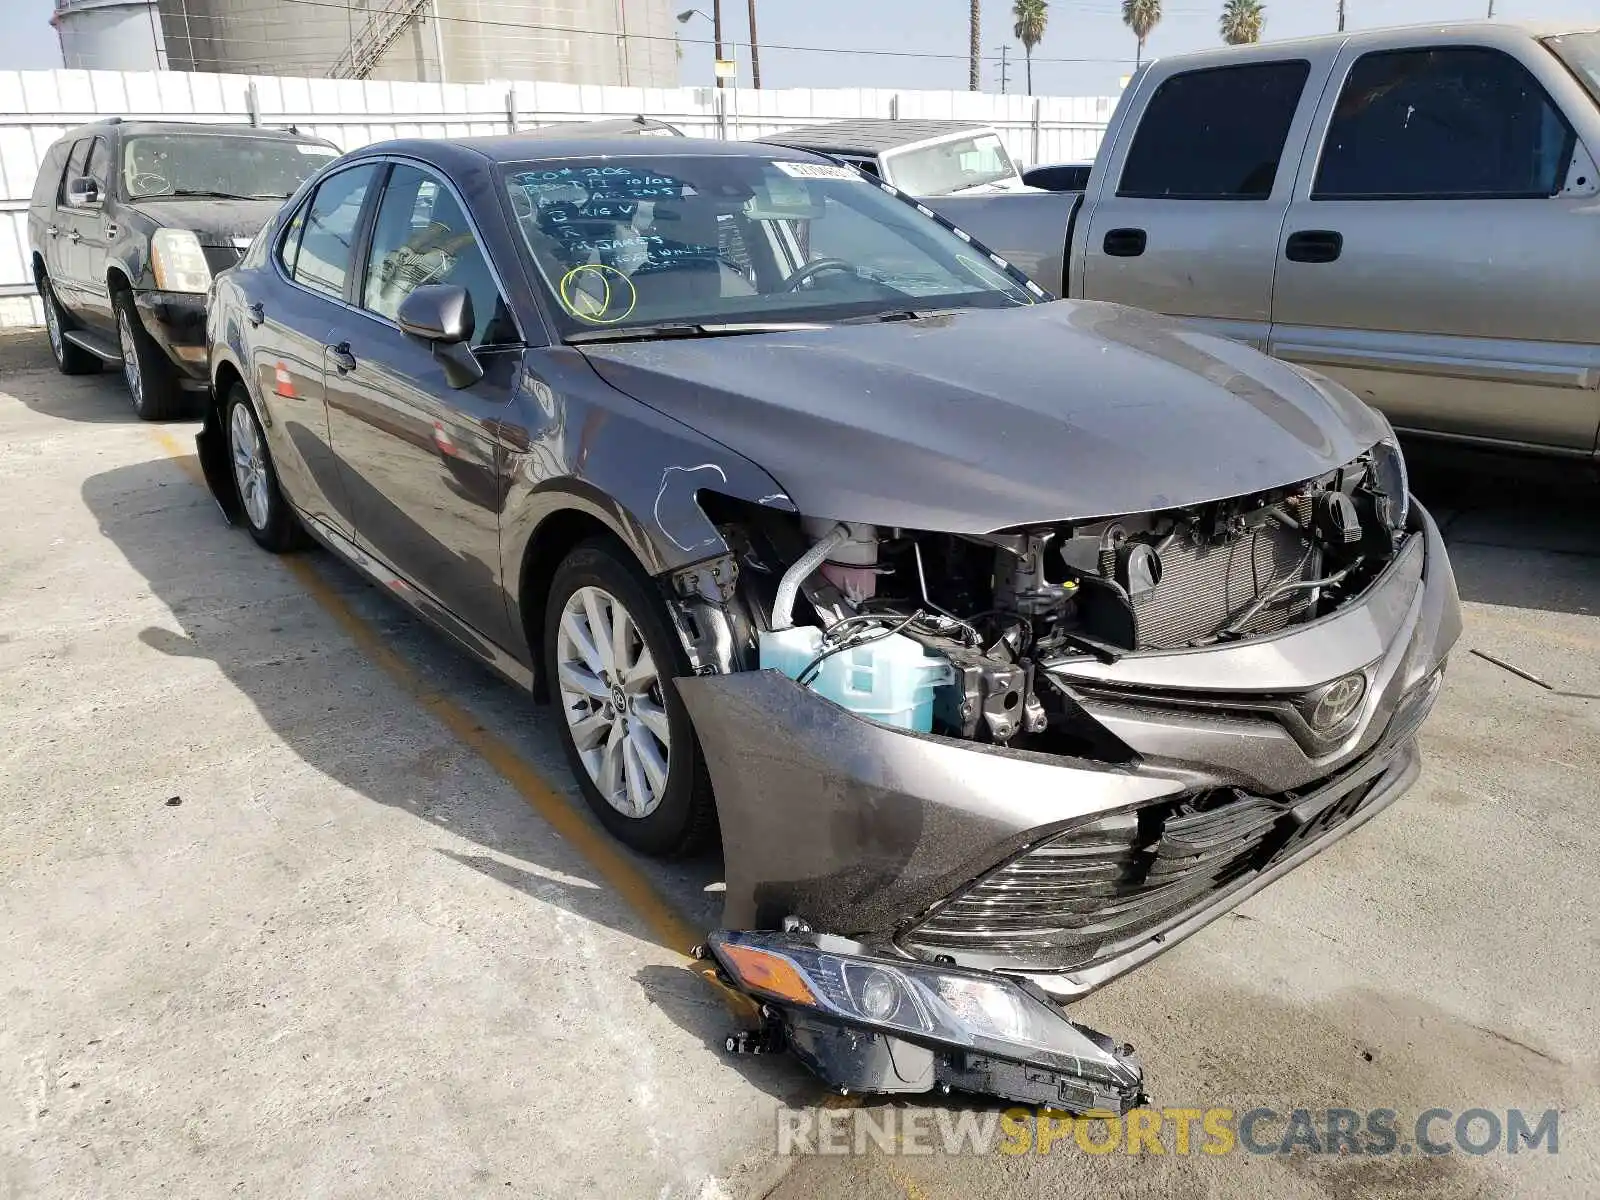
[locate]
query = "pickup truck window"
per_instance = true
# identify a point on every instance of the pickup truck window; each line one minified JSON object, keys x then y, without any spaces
{"x":1581,"y":53}
{"x":1444,"y":123}
{"x":1216,"y":134}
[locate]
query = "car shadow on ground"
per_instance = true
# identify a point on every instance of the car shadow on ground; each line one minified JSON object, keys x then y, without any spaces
{"x":1522,"y":531}
{"x":170,"y":532}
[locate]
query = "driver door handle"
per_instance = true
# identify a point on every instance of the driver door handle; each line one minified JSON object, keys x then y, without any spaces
{"x":52,"y":230}
{"x":341,"y":357}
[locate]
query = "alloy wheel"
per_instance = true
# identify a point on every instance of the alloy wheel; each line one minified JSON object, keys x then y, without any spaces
{"x":611,"y":693}
{"x":52,"y":324}
{"x":130,"y":360}
{"x":249,"y":466}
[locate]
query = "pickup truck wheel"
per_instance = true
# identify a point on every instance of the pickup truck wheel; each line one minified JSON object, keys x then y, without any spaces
{"x":70,"y":359}
{"x":152,"y":381}
{"x":267,"y":515}
{"x":610,"y":659}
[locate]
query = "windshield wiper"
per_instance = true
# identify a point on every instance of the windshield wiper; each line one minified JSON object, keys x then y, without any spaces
{"x":189,"y":193}
{"x":899,"y":314}
{"x":686,"y":329}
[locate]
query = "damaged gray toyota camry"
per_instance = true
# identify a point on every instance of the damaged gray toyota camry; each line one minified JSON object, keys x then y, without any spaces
{"x":1002,"y":642}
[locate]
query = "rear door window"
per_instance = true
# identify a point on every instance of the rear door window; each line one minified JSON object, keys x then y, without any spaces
{"x":1457,"y":122}
{"x":327,"y":236}
{"x":1216,"y":134}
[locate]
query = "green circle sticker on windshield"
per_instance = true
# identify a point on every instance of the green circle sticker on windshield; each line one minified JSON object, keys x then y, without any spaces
{"x":598,"y":294}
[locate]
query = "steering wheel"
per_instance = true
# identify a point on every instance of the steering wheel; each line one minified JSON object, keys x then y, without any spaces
{"x":817,"y":266}
{"x":149,"y":183}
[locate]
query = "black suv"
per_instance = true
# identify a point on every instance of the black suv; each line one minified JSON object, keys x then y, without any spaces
{"x":129,"y":222}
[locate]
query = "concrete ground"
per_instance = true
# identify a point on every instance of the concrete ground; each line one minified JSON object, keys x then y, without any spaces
{"x":297,"y":901}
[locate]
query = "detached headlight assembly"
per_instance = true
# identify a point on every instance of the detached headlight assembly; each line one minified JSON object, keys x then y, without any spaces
{"x":178,"y":261}
{"x":870,"y":1024}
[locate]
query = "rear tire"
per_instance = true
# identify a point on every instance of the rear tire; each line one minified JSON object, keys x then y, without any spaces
{"x":70,"y":359}
{"x":617,"y":698}
{"x":151,"y":378}
{"x":266,"y":513}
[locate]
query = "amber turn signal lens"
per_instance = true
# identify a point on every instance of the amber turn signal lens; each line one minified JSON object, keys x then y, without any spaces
{"x":766,"y":972}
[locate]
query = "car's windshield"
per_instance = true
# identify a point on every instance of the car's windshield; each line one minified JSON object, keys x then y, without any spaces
{"x":218,"y":165}
{"x":1581,"y":53}
{"x":950,"y":166}
{"x":628,"y":241}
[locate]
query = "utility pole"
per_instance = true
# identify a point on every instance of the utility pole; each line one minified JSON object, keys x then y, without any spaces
{"x":1005,"y":65}
{"x":1491,"y":10}
{"x":1341,"y":16}
{"x":755,"y":49}
{"x":716,"y":35}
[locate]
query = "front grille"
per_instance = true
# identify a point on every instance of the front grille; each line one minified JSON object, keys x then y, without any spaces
{"x":1202,"y":588}
{"x":1091,"y":893}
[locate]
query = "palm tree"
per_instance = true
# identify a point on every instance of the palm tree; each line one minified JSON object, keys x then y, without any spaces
{"x":1141,"y":16}
{"x":974,"y":40}
{"x":1242,"y":20}
{"x":1031,"y":15}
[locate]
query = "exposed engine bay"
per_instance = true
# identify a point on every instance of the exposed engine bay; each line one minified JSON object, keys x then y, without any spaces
{"x":989,"y":610}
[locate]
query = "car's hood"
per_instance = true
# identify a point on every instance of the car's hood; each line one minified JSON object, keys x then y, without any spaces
{"x":214,"y":222}
{"x":977,"y":421}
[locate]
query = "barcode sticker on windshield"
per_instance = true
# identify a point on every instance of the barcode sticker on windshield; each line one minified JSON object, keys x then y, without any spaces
{"x":805,"y":170}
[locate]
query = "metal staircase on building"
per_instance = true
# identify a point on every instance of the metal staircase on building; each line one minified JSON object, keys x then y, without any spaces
{"x":376,"y":36}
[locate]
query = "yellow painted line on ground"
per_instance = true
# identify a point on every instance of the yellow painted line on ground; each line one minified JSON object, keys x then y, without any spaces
{"x":666,"y":925}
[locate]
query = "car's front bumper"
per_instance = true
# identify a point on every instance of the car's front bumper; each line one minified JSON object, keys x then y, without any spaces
{"x":904,"y":841}
{"x":177,"y":322}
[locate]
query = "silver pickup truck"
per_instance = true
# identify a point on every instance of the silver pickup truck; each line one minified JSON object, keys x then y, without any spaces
{"x":1414,"y":212}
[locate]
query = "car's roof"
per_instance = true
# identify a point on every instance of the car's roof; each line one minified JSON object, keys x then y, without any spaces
{"x":531,"y":146}
{"x":170,"y":128}
{"x":870,"y":135}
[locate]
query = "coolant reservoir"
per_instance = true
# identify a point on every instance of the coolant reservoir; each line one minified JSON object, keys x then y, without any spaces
{"x":891,"y":680}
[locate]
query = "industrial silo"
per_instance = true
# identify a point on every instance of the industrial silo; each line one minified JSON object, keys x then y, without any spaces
{"x":110,"y":35}
{"x":573,"y":41}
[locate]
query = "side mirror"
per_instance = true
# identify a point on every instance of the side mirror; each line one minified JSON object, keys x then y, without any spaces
{"x":82,"y":192}
{"x":441,"y":314}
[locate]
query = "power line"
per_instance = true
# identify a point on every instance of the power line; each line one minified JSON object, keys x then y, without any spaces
{"x":647,"y":37}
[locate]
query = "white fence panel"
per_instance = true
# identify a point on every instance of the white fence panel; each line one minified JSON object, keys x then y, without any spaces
{"x":37,"y":107}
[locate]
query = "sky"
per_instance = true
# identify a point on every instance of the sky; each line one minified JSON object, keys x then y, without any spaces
{"x":1087,"y":31}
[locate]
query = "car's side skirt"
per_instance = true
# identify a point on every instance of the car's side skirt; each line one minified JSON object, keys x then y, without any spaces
{"x":380,"y":573}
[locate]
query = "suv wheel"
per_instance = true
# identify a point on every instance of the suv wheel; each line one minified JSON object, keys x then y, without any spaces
{"x":266,"y":514}
{"x":152,"y":381}
{"x":70,"y":359}
{"x":610,"y":660}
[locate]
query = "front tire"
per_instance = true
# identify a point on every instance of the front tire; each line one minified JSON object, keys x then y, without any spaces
{"x":152,"y":380}
{"x":267,"y":515}
{"x":70,"y":359}
{"x":610,"y":661}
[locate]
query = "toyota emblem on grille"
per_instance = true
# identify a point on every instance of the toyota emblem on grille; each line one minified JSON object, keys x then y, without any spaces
{"x":1335,"y":704}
